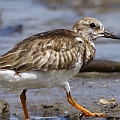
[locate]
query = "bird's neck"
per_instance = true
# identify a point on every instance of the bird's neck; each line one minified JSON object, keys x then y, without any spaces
{"x":89,"y":46}
{"x":89,"y":52}
{"x":86,"y":34}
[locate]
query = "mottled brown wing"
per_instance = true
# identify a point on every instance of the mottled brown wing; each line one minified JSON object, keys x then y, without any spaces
{"x":57,"y":49}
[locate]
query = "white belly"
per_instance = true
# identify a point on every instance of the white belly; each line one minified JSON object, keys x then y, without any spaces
{"x":34,"y":79}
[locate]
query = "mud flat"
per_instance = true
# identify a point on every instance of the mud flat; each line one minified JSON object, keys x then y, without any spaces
{"x":87,"y":91}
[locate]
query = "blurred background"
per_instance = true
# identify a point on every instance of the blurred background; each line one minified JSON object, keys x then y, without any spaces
{"x":22,"y":18}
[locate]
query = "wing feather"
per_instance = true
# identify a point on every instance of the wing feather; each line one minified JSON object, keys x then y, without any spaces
{"x":57,"y":49}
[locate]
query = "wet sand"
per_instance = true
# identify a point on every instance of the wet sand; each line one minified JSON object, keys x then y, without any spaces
{"x":87,"y":91}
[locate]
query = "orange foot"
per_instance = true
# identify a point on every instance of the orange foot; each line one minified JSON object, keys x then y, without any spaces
{"x":85,"y":112}
{"x":90,"y":114}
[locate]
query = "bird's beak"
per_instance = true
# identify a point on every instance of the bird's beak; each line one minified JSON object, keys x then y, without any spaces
{"x":107,"y":34}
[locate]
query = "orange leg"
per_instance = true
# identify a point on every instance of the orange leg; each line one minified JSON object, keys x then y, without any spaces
{"x":23,"y":101}
{"x":86,"y":112}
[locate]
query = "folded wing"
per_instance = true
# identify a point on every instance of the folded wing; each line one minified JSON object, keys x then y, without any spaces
{"x":53,"y":50}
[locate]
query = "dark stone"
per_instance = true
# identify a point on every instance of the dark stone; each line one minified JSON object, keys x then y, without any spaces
{"x":102,"y":66}
{"x":4,"y":110}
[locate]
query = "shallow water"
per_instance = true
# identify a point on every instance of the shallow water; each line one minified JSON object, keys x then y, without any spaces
{"x":36,"y":17}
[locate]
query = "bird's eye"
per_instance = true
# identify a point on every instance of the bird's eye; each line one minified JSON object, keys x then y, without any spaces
{"x":92,"y":25}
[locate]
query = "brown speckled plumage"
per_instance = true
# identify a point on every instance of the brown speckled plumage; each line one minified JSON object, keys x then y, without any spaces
{"x":57,"y":49}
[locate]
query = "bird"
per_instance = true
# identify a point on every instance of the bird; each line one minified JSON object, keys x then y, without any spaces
{"x":51,"y":58}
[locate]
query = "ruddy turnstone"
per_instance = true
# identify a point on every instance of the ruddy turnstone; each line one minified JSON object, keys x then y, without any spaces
{"x":51,"y":58}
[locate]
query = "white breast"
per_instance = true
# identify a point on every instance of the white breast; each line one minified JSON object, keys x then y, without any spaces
{"x":35,"y":79}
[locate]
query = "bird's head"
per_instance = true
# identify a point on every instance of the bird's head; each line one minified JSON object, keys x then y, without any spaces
{"x":91,"y":29}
